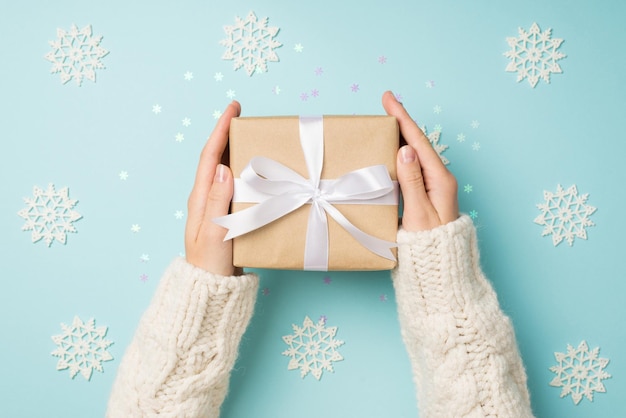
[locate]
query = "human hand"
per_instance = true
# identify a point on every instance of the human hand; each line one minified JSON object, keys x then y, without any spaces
{"x":210,"y":197}
{"x":429,"y":190}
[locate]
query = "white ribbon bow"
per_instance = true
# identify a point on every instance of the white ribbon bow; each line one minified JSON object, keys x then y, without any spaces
{"x":280,"y":190}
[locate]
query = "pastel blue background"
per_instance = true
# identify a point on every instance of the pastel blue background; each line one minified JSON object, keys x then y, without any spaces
{"x":567,"y":132}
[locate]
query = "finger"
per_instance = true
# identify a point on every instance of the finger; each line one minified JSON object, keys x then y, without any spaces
{"x":429,"y":159}
{"x":210,"y":157}
{"x":419,"y":213}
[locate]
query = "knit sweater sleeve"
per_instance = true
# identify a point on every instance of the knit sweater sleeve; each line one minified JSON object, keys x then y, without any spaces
{"x":179,"y":361}
{"x":462,"y":347}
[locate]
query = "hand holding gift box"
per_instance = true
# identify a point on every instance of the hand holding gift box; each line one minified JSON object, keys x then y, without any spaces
{"x":314,"y":193}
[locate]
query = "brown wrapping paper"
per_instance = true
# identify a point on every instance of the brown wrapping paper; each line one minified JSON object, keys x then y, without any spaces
{"x":350,"y":143}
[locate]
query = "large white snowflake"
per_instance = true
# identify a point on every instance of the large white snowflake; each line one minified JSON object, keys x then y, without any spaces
{"x":82,"y":348}
{"x":251,"y":43}
{"x":434,"y":138}
{"x":49,"y":214}
{"x":312,"y":348}
{"x":565,"y":215}
{"x":580,"y":372}
{"x":76,"y":54}
{"x":534,"y":55}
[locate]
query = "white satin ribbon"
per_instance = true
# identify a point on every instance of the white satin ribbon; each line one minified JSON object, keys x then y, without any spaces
{"x":280,"y":190}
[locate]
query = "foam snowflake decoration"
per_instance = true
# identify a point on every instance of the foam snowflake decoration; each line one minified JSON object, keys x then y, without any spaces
{"x":565,"y":215}
{"x":580,"y":372}
{"x":81,"y":348}
{"x":434,"y":137}
{"x":251,"y":44}
{"x":76,"y":54}
{"x":49,"y":214}
{"x":534,"y":55}
{"x":312,"y":348}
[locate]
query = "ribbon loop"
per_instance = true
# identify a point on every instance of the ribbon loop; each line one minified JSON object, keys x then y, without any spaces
{"x":280,"y":190}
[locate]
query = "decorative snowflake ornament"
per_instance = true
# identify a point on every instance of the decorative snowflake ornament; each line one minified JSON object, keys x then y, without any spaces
{"x":565,"y":215}
{"x":434,"y":137}
{"x":250,"y":44}
{"x":81,"y":348}
{"x":76,"y":54}
{"x":534,"y":55}
{"x":49,"y":214}
{"x":580,"y":372}
{"x":312,"y":348}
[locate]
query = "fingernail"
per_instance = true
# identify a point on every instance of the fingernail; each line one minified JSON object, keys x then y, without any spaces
{"x":220,"y":174}
{"x":408,"y":154}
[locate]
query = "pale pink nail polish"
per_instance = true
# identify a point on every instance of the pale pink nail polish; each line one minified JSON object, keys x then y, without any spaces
{"x":408,"y":154}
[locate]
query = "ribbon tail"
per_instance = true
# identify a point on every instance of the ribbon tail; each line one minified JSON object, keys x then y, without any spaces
{"x":376,"y":245}
{"x":316,"y":246}
{"x":254,"y":217}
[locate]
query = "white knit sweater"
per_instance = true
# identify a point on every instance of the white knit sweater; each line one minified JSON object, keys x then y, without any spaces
{"x":462,"y":347}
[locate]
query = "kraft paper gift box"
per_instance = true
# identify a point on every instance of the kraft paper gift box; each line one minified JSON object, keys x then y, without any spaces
{"x":349,"y":143}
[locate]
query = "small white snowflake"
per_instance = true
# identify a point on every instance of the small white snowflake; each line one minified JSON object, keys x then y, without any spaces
{"x":250,"y":43}
{"x":81,"y":348}
{"x":460,"y":137}
{"x":135,"y":228}
{"x":580,"y":372}
{"x":434,"y":137}
{"x":123,"y":175}
{"x":76,"y":54}
{"x":179,"y":214}
{"x":475,"y":124}
{"x":312,"y":348}
{"x":298,"y":48}
{"x":565,"y":215}
{"x":230,"y":94}
{"x":534,"y":55}
{"x":188,"y":76}
{"x":179,"y":137}
{"x":156,"y":109}
{"x":437,"y":109}
{"x":144,"y":258}
{"x":49,"y":214}
{"x":186,"y":122}
{"x":217,"y":114}
{"x":476,"y":146}
{"x":218,"y":76}
{"x":276,"y":90}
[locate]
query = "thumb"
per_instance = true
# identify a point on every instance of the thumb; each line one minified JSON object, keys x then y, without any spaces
{"x":419,"y":213}
{"x":218,"y":199}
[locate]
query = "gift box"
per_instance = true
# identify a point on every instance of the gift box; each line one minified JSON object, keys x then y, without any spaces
{"x":314,"y":193}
